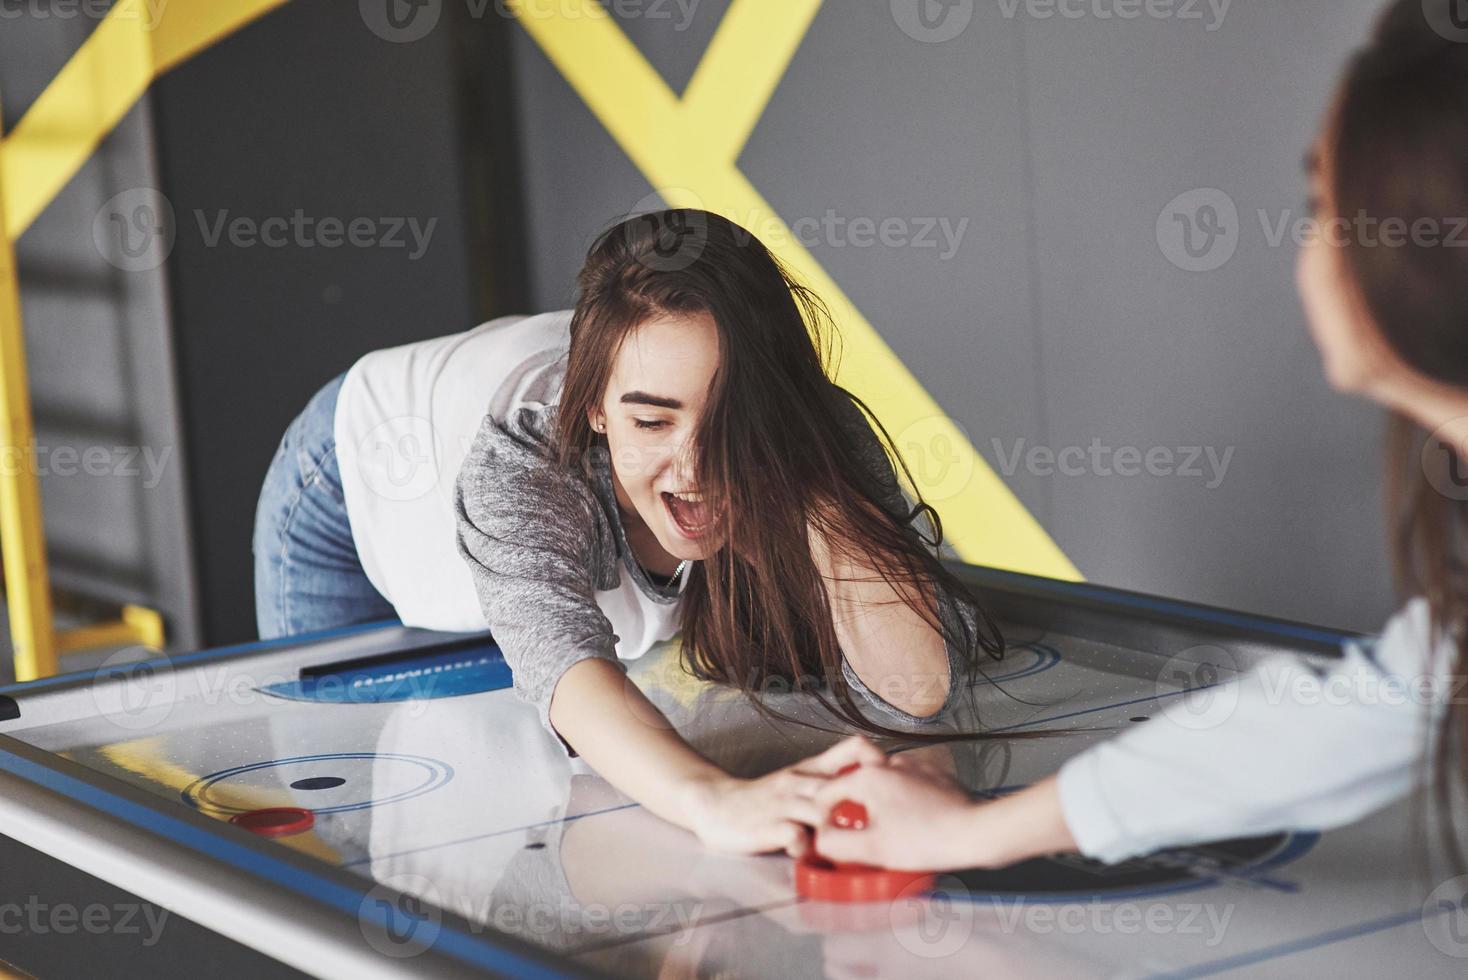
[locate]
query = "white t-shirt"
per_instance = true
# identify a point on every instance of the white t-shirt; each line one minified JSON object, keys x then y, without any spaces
{"x":406,"y":418}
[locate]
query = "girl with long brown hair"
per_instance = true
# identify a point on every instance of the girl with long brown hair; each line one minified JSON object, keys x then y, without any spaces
{"x":671,"y":456}
{"x":1385,"y":289}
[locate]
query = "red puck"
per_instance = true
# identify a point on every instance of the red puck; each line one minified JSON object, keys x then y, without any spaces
{"x":276,"y":821}
{"x":823,"y":881}
{"x":849,"y":815}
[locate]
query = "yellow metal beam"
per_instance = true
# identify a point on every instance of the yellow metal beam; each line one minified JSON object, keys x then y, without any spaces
{"x":138,"y":626}
{"x":136,"y":42}
{"x":688,"y":150}
{"x":22,"y":540}
{"x":745,"y":62}
{"x":9,"y":971}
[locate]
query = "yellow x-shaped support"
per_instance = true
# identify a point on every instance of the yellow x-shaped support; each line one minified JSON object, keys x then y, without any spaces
{"x":688,"y":150}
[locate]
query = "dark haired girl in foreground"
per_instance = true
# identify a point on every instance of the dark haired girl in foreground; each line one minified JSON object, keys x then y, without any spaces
{"x":671,"y":456}
{"x":1391,"y":322}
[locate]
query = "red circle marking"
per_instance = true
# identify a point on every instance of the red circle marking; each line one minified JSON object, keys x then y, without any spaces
{"x":276,"y":821}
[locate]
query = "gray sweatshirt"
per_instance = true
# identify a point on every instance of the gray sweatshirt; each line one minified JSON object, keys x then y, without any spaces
{"x":541,"y":541}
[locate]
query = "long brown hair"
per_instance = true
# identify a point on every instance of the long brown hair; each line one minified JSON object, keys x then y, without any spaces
{"x":1398,"y":147}
{"x":771,"y":459}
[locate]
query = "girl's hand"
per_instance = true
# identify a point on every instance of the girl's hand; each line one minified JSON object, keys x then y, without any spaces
{"x":771,"y":813}
{"x":918,"y":819}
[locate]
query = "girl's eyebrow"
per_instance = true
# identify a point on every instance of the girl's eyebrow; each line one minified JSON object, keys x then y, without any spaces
{"x":657,"y":401}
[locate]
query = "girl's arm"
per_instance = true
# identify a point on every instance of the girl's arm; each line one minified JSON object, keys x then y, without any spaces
{"x":1283,"y":748}
{"x":602,"y":714}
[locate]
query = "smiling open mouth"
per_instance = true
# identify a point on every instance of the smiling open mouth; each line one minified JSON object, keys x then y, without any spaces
{"x":689,"y":512}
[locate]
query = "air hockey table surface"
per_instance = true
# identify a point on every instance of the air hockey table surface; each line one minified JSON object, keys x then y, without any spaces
{"x":452,"y":836}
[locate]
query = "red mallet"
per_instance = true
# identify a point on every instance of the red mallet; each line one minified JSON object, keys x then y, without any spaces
{"x":276,"y":821}
{"x":822,"y":881}
{"x":826,"y":881}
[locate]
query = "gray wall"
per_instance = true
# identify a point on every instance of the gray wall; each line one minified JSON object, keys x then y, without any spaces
{"x":1060,"y":319}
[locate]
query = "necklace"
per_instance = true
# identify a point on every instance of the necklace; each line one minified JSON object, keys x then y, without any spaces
{"x":672,"y":579}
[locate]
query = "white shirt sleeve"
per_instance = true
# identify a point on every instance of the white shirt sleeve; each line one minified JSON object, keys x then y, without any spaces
{"x":1287,"y":747}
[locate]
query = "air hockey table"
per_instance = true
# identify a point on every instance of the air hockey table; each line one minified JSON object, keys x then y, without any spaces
{"x":446,"y":834}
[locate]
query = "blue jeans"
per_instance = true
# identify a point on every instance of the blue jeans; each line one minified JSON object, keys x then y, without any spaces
{"x":307,"y":574}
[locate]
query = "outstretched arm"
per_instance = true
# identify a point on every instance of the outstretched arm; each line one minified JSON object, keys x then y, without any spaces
{"x":1283,"y":747}
{"x":601,"y":713}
